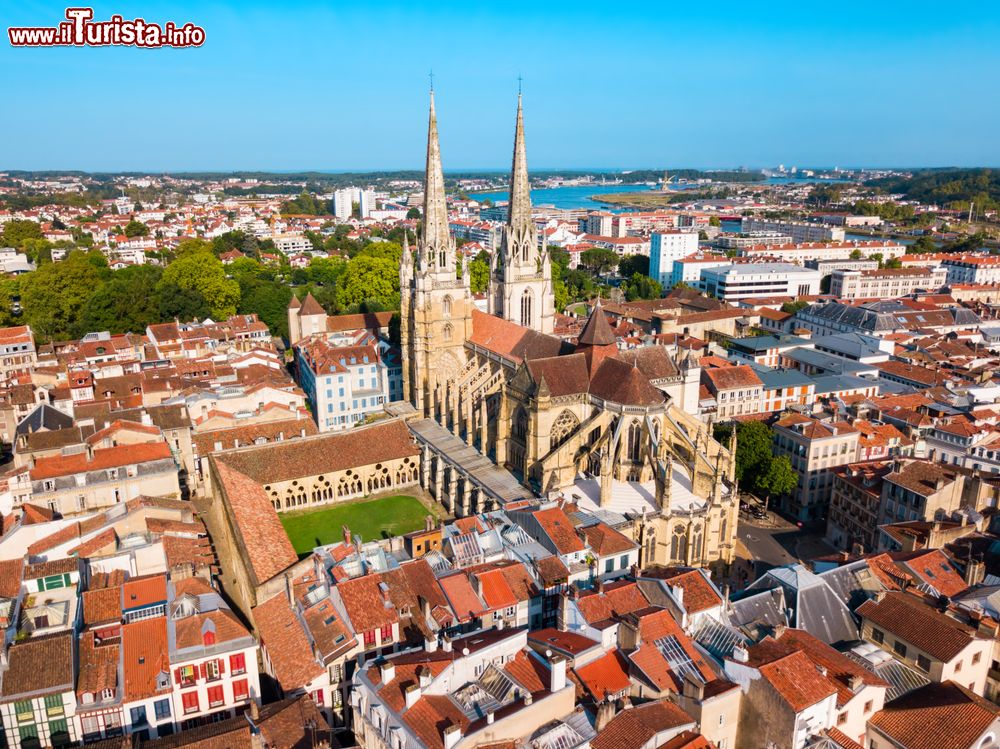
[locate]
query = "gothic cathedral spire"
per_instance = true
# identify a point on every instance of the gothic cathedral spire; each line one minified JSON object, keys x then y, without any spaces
{"x":435,"y":304}
{"x":436,"y":249}
{"x":521,"y":278}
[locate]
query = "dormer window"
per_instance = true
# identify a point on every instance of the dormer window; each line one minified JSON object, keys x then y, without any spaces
{"x":208,"y":638}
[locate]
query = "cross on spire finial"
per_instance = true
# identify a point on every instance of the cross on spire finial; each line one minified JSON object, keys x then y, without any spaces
{"x":431,"y":76}
{"x":518,"y":84}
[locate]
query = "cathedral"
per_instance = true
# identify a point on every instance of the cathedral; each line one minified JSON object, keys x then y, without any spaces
{"x":611,"y":430}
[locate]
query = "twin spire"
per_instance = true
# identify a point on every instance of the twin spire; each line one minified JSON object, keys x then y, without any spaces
{"x":437,"y":240}
{"x":436,"y":248}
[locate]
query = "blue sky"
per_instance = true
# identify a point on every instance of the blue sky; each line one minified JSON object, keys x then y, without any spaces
{"x":340,"y":86}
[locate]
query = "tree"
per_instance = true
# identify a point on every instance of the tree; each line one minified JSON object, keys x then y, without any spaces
{"x":389,"y":250}
{"x":779,"y":478}
{"x":795,"y":307}
{"x":17,"y":230}
{"x":855,"y":254}
{"x":599,"y":260}
{"x":923,"y":244}
{"x":54,"y":295}
{"x":479,"y":273}
{"x":136,"y":229}
{"x":182,"y":304}
{"x":9,"y":291}
{"x":270,"y":301}
{"x":641,"y":287}
{"x":128,"y":302}
{"x":326,"y":270}
{"x":893,"y":262}
{"x":629,"y":265}
{"x":413,"y":213}
{"x":753,"y":450}
{"x":369,"y":281}
{"x":202,"y":271}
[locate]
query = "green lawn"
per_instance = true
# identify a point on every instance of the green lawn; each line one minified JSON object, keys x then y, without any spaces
{"x":372,"y":519}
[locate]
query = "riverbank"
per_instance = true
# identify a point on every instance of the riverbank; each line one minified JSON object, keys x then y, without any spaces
{"x":644,"y":201}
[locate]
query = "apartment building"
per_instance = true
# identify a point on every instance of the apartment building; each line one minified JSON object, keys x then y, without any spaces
{"x":799,"y":231}
{"x":737,"y":390}
{"x":750,"y":239}
{"x":343,"y":384}
{"x":688,"y":270}
{"x":912,"y":630}
{"x":855,"y":499}
{"x":805,"y":252}
{"x":814,"y":448}
{"x":972,"y":269}
{"x":885,"y":283}
{"x":730,"y":283}
{"x":664,"y":248}
{"x":17,"y":350}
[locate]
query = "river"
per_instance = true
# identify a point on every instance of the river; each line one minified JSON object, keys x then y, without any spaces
{"x":581,"y":196}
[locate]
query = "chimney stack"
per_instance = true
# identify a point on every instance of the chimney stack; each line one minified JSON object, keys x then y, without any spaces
{"x":451,"y":736}
{"x":411,"y":694}
{"x":446,"y":643}
{"x":557,"y":673}
{"x":424,"y":677}
{"x":388,"y":672}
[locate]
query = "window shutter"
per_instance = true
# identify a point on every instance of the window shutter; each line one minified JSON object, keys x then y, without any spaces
{"x":222,"y":666}
{"x":204,"y":671}
{"x":177,"y":675}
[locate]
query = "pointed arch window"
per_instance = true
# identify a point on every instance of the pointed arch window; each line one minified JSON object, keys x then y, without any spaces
{"x":446,"y":306}
{"x":678,"y":545}
{"x":526,"y":308}
{"x":634,"y":441}
{"x":520,"y":426}
{"x":563,"y":428}
{"x":447,"y":333}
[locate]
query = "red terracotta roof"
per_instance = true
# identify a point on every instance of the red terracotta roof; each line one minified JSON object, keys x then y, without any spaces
{"x":608,"y":675}
{"x":936,"y":716}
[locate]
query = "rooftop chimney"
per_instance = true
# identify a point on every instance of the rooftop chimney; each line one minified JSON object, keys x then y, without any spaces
{"x":388,"y":672}
{"x":740,"y":655}
{"x":451,"y":736}
{"x":412,"y":694}
{"x":431,"y":644}
{"x":424,"y":677}
{"x":557,"y":673}
{"x":446,"y":643}
{"x":489,"y":717}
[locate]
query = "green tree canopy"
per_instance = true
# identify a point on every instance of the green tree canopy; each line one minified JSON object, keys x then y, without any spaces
{"x":128,"y":302}
{"x":599,"y":260}
{"x":369,"y":281}
{"x":136,"y":229}
{"x":641,"y":287}
{"x":202,"y":271}
{"x":629,"y":265}
{"x":779,"y":478}
{"x":16,"y":231}
{"x":54,"y":295}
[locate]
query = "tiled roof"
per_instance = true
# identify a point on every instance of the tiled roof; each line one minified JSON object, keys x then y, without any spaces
{"x":144,"y":591}
{"x":287,"y":644}
{"x":108,"y":457}
{"x":608,"y":675}
{"x":637,"y":726}
{"x":268,"y":550}
{"x":798,"y":681}
{"x":98,"y":665}
{"x":616,"y":599}
{"x":936,"y":716}
{"x":327,"y":453}
{"x":911,"y":618}
{"x":102,"y":606}
{"x":604,"y":540}
{"x":144,"y":644}
{"x":529,"y":671}
{"x":513,"y":341}
{"x":366,"y":605}
{"x":39,"y":664}
{"x":839,"y":668}
{"x":934,"y":569}
{"x":699,"y":594}
{"x":10,"y":577}
{"x":463,"y":598}
{"x":188,"y":631}
{"x":732,"y":378}
{"x":560,"y":529}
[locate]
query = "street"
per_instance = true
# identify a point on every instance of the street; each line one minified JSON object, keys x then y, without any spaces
{"x":776,"y":542}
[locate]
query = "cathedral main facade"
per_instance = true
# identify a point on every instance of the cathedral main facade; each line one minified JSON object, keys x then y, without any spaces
{"x":608,"y":429}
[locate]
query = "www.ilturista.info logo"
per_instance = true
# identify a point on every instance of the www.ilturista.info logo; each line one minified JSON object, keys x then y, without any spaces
{"x":80,"y":30}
